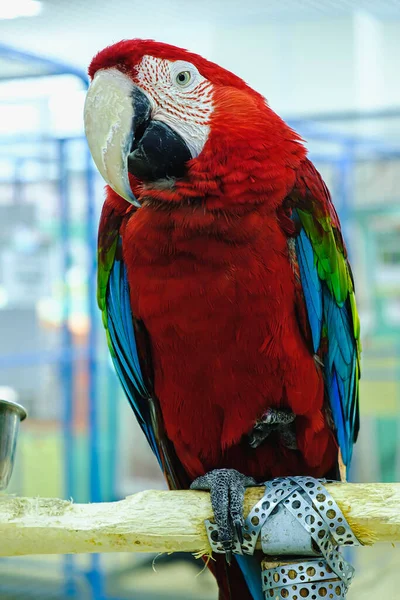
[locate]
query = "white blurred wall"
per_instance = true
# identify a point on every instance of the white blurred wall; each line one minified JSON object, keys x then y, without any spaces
{"x":301,"y":64}
{"x":318,"y":65}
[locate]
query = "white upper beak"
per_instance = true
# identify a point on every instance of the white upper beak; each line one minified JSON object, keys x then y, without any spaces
{"x":108,"y":117}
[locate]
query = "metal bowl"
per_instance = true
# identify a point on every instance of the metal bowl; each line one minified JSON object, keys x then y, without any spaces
{"x":11,"y":414}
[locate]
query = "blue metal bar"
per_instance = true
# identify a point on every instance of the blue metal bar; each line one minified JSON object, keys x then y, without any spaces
{"x":113,"y":403}
{"x":346,"y":191}
{"x":397,"y":379}
{"x":66,"y":368}
{"x":96,"y":578}
{"x":322,"y":158}
{"x":95,"y":575}
{"x":367,"y":149}
{"x":315,"y":131}
{"x":55,"y":67}
{"x":28,"y":590}
{"x":91,"y":233}
{"x":373,"y":153}
{"x":365,"y":144}
{"x":66,"y":361}
{"x":17,"y":183}
{"x":351,"y":115}
{"x":25,"y":159}
{"x":388,"y":210}
{"x":309,"y":129}
{"x":33,"y":138}
{"x":30,"y":76}
{"x":23,"y":359}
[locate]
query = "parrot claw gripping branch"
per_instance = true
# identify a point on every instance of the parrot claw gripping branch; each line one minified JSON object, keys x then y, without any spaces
{"x":229,"y":308}
{"x":296,"y":517}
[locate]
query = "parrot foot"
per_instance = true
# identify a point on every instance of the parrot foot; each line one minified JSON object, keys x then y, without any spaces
{"x":273,"y":420}
{"x":227,"y":488}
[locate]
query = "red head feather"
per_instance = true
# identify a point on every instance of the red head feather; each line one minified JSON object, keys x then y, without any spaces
{"x":250,"y":152}
{"x":125,"y":55}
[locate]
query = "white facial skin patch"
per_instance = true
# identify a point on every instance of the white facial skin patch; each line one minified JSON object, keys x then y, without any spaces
{"x":180,"y":97}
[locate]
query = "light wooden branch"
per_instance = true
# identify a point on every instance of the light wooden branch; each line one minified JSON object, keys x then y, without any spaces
{"x":157,"y":521}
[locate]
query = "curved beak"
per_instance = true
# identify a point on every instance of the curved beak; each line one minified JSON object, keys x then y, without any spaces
{"x":124,"y":139}
{"x":114,"y":110}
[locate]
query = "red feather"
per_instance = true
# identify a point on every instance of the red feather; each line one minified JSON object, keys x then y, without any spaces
{"x":213,"y":279}
{"x":217,"y":295}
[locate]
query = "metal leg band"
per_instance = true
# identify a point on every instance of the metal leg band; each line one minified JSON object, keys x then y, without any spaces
{"x":310,"y":579}
{"x":286,"y":501}
{"x":297,"y":517}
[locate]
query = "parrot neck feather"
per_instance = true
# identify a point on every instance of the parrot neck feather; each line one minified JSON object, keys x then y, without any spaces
{"x":238,"y":166}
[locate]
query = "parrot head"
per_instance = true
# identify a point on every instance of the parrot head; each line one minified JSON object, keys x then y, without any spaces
{"x":159,"y":116}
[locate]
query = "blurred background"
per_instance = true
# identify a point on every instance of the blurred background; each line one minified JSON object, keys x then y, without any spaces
{"x":330,"y":67}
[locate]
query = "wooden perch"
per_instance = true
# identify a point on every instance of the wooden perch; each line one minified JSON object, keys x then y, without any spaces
{"x":157,"y":521}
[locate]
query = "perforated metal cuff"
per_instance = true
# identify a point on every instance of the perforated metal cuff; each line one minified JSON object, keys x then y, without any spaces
{"x":311,"y":579}
{"x":296,"y":516}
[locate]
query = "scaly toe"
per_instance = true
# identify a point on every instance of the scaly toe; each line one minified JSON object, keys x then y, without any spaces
{"x":227,"y":488}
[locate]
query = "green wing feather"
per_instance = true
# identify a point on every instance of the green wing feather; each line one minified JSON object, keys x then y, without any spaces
{"x":321,"y":223}
{"x":106,"y":256}
{"x":330,"y":299}
{"x":127,"y":338}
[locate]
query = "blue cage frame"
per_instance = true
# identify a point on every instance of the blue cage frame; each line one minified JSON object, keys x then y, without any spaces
{"x":68,"y":355}
{"x":351,"y":149}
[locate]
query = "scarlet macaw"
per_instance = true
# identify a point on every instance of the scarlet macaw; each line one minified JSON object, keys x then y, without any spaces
{"x":223,"y":281}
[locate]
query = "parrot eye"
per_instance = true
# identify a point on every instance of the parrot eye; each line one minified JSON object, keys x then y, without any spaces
{"x":183,"y":78}
{"x":184,"y":75}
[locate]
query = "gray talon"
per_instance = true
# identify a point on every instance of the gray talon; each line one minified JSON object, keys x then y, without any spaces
{"x":228,"y":551}
{"x":279,"y":421}
{"x":227,"y":488}
{"x":238,"y":525}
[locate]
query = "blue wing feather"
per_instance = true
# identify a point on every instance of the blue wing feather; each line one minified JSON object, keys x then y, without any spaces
{"x":340,"y":360}
{"x":311,"y":286}
{"x":341,"y":370}
{"x":250,"y":567}
{"x":126,"y":358}
{"x":335,"y":398}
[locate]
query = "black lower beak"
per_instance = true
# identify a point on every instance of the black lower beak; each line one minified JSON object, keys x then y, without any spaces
{"x":157,"y":150}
